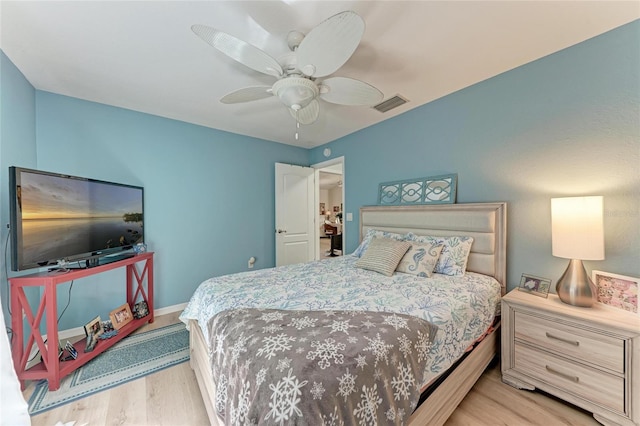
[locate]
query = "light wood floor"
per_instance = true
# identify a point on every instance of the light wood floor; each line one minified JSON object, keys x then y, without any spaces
{"x":171,"y":397}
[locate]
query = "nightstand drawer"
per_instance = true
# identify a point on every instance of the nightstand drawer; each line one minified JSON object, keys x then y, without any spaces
{"x":589,"y":347}
{"x":593,"y":385}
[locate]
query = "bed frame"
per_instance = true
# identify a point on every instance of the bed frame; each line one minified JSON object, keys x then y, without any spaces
{"x":487,"y":224}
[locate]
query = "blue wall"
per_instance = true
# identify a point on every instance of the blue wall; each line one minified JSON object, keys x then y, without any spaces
{"x":17,"y":143}
{"x":209,"y":195}
{"x":565,"y":125}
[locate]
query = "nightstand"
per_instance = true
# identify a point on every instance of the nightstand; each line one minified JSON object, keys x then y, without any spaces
{"x":589,"y":357}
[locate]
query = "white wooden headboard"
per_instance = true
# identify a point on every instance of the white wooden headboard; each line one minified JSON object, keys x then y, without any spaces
{"x":485,"y":222}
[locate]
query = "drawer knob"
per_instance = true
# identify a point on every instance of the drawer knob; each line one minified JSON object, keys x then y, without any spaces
{"x":571,"y":342}
{"x":561,"y":374}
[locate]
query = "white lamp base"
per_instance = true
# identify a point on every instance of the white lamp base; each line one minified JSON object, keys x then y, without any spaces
{"x":575,"y":287}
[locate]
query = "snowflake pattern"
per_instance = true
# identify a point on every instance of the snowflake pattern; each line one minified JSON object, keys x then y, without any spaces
{"x":403,"y":383}
{"x":391,"y":414}
{"x":271,"y":328}
{"x":326,"y":351}
{"x":396,"y":322}
{"x":377,"y":374}
{"x":347,"y":384}
{"x":285,"y":397}
{"x":272,"y":316}
{"x":379,"y":382}
{"x":404,"y":345}
{"x":368,"y":324}
{"x":239,"y":346}
{"x":379,"y":348}
{"x":340,"y":326}
{"x":361,"y":361}
{"x":317,"y":390}
{"x":273,"y":344}
{"x":283,"y":364}
{"x":367,"y":409}
{"x":305,"y":322}
{"x":240,"y":325}
{"x":423,"y":346}
{"x":221,"y":394}
{"x":260,"y":377}
{"x":333,"y":420}
{"x":240,"y":412}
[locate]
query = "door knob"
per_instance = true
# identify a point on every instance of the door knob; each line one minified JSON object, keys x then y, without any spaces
{"x":281,"y":231}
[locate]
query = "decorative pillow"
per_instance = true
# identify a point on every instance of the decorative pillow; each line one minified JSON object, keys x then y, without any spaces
{"x":420,"y":259}
{"x":383,"y":255}
{"x":375,"y":233}
{"x":454,"y":255}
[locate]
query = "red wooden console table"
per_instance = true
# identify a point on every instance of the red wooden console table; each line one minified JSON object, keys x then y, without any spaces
{"x":50,"y":367}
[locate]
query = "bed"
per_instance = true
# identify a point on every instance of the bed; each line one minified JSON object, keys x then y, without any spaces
{"x":329,"y":286}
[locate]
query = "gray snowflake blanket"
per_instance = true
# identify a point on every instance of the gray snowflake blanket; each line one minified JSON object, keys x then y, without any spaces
{"x":317,"y":367}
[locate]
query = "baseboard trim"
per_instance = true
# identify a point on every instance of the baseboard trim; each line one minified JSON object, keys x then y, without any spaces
{"x":169,"y":309}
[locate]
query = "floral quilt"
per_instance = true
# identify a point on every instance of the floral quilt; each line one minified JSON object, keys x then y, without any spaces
{"x":462,"y":307}
{"x":317,"y":367}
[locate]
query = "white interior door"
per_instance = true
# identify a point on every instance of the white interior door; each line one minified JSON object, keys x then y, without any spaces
{"x":295,"y":214}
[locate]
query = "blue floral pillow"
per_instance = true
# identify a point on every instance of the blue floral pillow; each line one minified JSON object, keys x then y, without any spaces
{"x":421,"y":259}
{"x":454,"y":256}
{"x":376,"y":233}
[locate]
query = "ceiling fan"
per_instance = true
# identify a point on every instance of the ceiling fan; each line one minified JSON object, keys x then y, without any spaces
{"x":300,"y":72}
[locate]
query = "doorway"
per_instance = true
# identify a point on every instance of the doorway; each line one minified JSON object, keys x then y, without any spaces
{"x":331,"y":227}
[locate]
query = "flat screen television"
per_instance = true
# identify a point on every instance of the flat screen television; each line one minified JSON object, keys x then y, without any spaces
{"x":59,"y":218}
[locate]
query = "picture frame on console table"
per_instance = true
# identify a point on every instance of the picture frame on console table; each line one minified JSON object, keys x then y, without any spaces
{"x":93,"y":327}
{"x":121,"y":316}
{"x":616,"y":290}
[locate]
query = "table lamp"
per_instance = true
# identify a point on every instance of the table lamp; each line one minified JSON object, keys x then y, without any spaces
{"x":577,"y":233}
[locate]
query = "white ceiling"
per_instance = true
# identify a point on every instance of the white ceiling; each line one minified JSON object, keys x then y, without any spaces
{"x":143,"y":56}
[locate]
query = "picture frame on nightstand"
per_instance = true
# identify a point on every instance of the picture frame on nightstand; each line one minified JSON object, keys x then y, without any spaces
{"x":617,"y":290}
{"x":537,"y":286}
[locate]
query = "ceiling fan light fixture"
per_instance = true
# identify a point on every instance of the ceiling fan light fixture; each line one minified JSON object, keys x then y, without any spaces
{"x":295,"y":92}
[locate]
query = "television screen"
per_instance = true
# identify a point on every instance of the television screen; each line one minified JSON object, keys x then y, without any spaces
{"x":56,"y":217}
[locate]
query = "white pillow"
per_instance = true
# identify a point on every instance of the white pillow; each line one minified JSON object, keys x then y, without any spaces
{"x":383,"y":255}
{"x":455,"y":253}
{"x":375,"y":233}
{"x":420,"y":259}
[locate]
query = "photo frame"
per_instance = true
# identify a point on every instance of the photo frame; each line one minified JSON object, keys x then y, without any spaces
{"x":617,"y":290}
{"x":322,"y":208}
{"x":535,"y":285}
{"x":93,"y":327}
{"x":121,"y":316}
{"x":73,"y":353}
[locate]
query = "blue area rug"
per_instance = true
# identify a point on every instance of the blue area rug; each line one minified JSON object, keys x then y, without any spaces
{"x":133,"y":357}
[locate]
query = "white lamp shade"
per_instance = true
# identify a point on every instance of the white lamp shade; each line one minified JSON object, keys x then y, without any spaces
{"x":577,"y":228}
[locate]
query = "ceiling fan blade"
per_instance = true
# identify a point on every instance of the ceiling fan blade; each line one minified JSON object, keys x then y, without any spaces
{"x":239,"y":50}
{"x":349,"y":91}
{"x":247,"y":94}
{"x":329,"y":45}
{"x":308,"y":114}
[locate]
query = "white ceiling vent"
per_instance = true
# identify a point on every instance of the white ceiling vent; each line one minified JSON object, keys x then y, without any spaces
{"x":391,"y":103}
